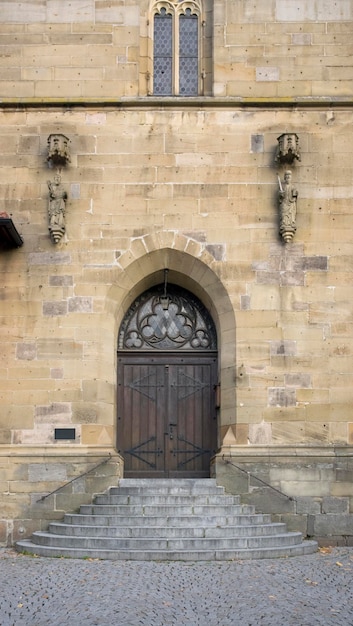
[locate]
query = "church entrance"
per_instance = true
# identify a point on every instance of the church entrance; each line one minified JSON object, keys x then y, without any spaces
{"x":167,"y":380}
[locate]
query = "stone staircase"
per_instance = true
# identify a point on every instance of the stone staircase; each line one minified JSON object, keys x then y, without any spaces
{"x":169,"y":520}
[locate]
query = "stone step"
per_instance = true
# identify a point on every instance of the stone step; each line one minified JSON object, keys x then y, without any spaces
{"x":160,"y":486}
{"x":150,"y":544}
{"x":306,"y":547}
{"x":164,"y":490}
{"x":167,"y":519}
{"x":175,"y":520}
{"x":152,"y":499}
{"x":167,"y":532}
{"x":197,"y":484}
{"x":167,"y":510}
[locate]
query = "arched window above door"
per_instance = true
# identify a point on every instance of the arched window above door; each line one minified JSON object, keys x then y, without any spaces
{"x":178,"y":48}
{"x":167,"y":320}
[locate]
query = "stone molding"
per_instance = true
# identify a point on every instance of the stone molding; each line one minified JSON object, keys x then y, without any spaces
{"x":203,"y":102}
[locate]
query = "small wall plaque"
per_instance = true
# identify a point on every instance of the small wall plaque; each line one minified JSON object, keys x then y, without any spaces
{"x":65,"y":433}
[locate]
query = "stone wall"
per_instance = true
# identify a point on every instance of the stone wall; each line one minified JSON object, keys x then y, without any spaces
{"x":41,"y":484}
{"x":188,"y":184}
{"x":91,"y":49}
{"x":310,"y":489}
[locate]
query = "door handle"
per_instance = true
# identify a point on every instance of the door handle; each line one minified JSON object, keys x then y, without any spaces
{"x":170,"y":433}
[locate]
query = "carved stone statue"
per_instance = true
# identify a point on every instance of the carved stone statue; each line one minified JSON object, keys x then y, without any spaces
{"x":287,"y":196}
{"x":56,"y":208}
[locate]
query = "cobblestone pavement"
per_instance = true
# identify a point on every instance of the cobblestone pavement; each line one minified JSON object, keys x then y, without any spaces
{"x":299,"y":591}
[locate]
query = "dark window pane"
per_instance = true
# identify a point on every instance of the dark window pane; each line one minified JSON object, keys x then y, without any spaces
{"x":188,"y":54}
{"x":162,"y":53}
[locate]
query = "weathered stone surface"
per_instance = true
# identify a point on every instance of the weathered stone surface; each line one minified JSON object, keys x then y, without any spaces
{"x":85,"y":414}
{"x":24,"y":504}
{"x":257,"y":143}
{"x":285,"y":348}
{"x":26,"y":351}
{"x":308,"y":505}
{"x":55,"y":308}
{"x":281,"y":396}
{"x":80,"y":304}
{"x":333,"y":524}
{"x":268,"y":501}
{"x":115,"y":30}
{"x":5,"y":435}
{"x":294,"y":522}
{"x":260,"y":433}
{"x":59,"y":349}
{"x":335,"y":505}
{"x":298,"y":380}
{"x":315,"y":263}
{"x":60,"y":281}
{"x":3,"y":532}
{"x":48,"y":258}
{"x":44,"y":472}
{"x":217,"y":251}
{"x":190,"y":186}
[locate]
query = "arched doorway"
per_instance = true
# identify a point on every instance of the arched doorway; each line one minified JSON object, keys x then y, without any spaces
{"x":167,"y":383}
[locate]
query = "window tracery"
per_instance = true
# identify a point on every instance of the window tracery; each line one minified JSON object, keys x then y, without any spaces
{"x":173,"y":321}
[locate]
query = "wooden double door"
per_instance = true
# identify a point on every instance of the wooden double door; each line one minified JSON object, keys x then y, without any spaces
{"x":167,"y":414}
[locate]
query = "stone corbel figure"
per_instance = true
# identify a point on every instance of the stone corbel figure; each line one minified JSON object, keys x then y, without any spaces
{"x":287,"y":196}
{"x":288,"y":149}
{"x":56,"y":208}
{"x":58,"y":150}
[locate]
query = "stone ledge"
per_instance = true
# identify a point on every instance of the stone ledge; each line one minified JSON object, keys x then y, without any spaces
{"x":270,"y":452}
{"x":166,"y":102}
{"x":52,"y":451}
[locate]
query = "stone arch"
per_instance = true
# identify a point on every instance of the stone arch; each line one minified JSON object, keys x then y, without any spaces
{"x":190,"y":266}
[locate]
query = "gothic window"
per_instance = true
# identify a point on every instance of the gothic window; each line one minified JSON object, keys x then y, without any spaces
{"x":176,"y":48}
{"x":163,"y":53}
{"x":188,"y":54}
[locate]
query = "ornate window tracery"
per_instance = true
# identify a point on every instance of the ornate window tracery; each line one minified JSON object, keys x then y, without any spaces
{"x":177,"y":48}
{"x":176,"y":321}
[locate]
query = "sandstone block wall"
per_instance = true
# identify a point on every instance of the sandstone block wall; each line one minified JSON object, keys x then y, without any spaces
{"x":41,"y":485}
{"x":93,"y":49}
{"x":310,"y":489}
{"x":144,"y":181}
{"x":188,"y":184}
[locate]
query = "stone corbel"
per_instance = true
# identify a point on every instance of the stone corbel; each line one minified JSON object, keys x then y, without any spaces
{"x":288,"y":149}
{"x":58,"y":151}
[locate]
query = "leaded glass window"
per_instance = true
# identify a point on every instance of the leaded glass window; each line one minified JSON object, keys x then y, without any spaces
{"x":163,"y":53}
{"x":188,"y":54}
{"x":176,"y":49}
